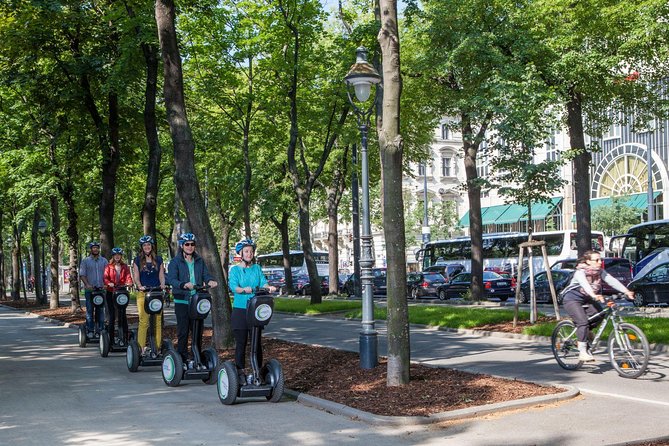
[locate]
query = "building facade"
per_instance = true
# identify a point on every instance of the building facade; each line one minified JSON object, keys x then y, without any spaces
{"x":619,"y":169}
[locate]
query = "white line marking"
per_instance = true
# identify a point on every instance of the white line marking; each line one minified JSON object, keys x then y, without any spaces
{"x":624,"y":397}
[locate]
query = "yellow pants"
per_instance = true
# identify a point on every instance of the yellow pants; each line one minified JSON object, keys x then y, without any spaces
{"x":144,"y":323}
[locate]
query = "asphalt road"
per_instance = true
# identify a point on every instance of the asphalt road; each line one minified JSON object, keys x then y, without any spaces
{"x":53,"y":392}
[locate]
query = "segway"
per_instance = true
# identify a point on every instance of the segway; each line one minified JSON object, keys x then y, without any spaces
{"x":121,"y":298}
{"x":155,"y":300}
{"x":203,"y":365}
{"x":98,"y":299}
{"x":267,"y":381}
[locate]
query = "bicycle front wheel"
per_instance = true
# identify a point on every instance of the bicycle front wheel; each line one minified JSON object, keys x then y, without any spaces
{"x":629,"y":351}
{"x":565,"y":345}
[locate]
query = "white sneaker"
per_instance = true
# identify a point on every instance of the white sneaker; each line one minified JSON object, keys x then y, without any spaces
{"x":585,"y":356}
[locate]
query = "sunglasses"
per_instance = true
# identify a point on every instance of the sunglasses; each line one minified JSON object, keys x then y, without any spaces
{"x":189,"y":244}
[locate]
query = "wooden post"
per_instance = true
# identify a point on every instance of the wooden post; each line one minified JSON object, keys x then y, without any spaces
{"x":550,"y":283}
{"x":519,"y":271}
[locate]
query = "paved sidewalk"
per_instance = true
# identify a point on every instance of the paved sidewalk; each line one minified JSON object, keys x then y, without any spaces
{"x":612,"y":410}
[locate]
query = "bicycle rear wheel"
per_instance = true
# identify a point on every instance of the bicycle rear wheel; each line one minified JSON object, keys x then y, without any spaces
{"x":565,"y":345}
{"x":629,"y":351}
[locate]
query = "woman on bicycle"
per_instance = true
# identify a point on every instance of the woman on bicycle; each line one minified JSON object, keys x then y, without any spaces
{"x":117,"y":274}
{"x":583,"y":294}
{"x":245,"y":278}
{"x":186,"y":271}
{"x":147,"y":272}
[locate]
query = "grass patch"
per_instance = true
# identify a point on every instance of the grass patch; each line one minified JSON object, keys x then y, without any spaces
{"x":656,"y":329}
{"x":303,"y":306}
{"x":451,"y":317}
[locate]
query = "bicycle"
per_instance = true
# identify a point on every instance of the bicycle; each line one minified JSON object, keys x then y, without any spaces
{"x":628,"y":347}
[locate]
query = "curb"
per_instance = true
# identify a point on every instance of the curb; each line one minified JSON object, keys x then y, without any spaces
{"x":470,"y":412}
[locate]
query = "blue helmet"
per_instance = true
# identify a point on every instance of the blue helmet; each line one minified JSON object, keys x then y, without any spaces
{"x":187,"y":237}
{"x":117,"y":251}
{"x":93,"y":243}
{"x":245,"y":242}
{"x":146,"y":239}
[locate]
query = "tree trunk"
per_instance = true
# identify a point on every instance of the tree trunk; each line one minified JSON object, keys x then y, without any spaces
{"x":282,"y":226}
{"x":55,"y":253}
{"x":150,"y":129}
{"x":66,"y":190}
{"x":111,"y":159}
{"x":155,"y":151}
{"x":308,"y":250}
{"x":471,"y":144}
{"x":334,"y":194}
{"x":390,"y":145}
{"x":246,"y":191}
{"x":581,"y":167}
{"x":16,"y":262}
{"x":184,"y":159}
{"x":3,"y":291}
{"x":37,"y":272}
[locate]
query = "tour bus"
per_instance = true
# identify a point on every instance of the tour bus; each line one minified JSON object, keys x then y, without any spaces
{"x":274,"y":262}
{"x":500,"y":250}
{"x":642,"y":243}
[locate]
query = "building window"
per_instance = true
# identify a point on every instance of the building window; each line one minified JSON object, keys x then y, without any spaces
{"x":421,"y":169}
{"x":446,"y":166}
{"x":613,"y":132}
{"x":444,"y":131}
{"x":552,"y":152}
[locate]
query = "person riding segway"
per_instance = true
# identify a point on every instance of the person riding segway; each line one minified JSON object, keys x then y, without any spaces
{"x":190,"y":280}
{"x":117,"y":278}
{"x":148,"y":273}
{"x":91,"y":272}
{"x":252,"y":310}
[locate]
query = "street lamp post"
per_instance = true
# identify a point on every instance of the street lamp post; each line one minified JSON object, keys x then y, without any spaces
{"x":426,"y":222}
{"x":649,"y":162}
{"x":41,"y":227}
{"x":361,"y":77}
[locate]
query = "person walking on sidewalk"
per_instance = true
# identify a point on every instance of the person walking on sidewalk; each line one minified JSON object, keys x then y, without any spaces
{"x":92,"y":271}
{"x":582,"y":297}
{"x":186,"y":271}
{"x":147,"y":272}
{"x":245,"y":278}
{"x":117,"y":274}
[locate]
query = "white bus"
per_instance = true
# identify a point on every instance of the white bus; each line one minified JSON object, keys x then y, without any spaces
{"x":500,"y":250}
{"x":274,"y":262}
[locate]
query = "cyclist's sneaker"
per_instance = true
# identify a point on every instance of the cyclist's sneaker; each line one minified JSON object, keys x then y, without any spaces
{"x":585,"y":356}
{"x":146,"y":351}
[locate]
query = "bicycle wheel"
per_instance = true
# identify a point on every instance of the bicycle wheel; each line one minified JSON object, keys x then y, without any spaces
{"x":629,"y":351}
{"x":565,"y":345}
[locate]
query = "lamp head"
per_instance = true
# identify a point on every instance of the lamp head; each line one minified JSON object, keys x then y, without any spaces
{"x":41,"y":226}
{"x":362,"y":76}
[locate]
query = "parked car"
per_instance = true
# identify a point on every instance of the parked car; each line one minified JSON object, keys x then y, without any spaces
{"x":618,"y":267}
{"x":424,"y":284}
{"x":303,"y":286}
{"x":652,"y":287}
{"x":505,"y":274}
{"x":561,"y":278}
{"x":379,"y":286}
{"x":277,"y":280}
{"x":448,"y":270}
{"x":494,"y":285}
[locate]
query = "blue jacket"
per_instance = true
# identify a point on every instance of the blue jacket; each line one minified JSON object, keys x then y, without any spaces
{"x":178,"y":275}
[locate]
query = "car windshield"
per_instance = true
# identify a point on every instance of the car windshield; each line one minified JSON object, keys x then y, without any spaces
{"x":489,"y":275}
{"x":434,"y":277}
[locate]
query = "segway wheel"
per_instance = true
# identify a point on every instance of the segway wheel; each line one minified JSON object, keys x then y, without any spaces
{"x":227,"y":382}
{"x":274,"y":376}
{"x":211,"y":361}
{"x":172,"y":368}
{"x":82,"y":336}
{"x":132,"y":356}
{"x":105,"y":343}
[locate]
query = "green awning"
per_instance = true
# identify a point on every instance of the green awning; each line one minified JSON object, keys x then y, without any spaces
{"x":635,"y":201}
{"x":512,"y":213}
